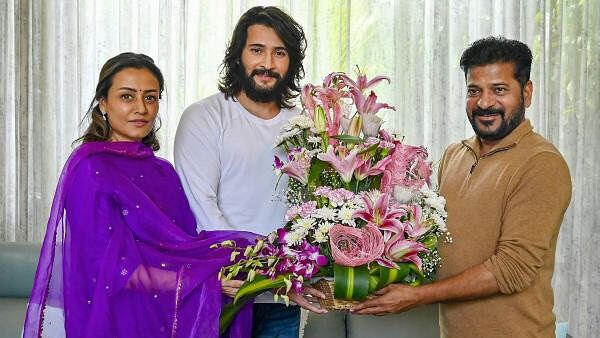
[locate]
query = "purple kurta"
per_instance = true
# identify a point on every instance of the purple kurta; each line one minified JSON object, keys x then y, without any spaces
{"x":121,"y":256}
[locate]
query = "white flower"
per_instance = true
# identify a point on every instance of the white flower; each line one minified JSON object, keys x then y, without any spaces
{"x":439,"y":220}
{"x":314,"y":152}
{"x":302,"y":121}
{"x":327,"y":214}
{"x":403,"y":195}
{"x":324,"y":227}
{"x":321,"y":237}
{"x":314,"y":139}
{"x":345,"y":215}
{"x":371,"y":124}
{"x":304,"y":223}
{"x":355,"y":203}
{"x":436,"y":202}
{"x":288,"y":134}
{"x":278,"y":141}
{"x":295,"y":237}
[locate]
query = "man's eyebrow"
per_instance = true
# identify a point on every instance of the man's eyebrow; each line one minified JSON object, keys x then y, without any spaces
{"x":263,"y":46}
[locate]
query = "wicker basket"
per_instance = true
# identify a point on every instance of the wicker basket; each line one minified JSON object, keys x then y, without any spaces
{"x":331,"y":303}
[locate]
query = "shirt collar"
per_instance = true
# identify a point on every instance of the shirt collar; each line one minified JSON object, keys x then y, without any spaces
{"x":509,"y":141}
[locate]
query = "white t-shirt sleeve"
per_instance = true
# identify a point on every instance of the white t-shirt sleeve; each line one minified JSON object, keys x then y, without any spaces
{"x":198,"y":164}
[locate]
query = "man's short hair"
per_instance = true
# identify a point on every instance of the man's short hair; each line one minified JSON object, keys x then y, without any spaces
{"x":288,"y":30}
{"x":499,"y":49}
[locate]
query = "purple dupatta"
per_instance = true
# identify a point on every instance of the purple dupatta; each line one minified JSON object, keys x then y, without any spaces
{"x":121,"y":256}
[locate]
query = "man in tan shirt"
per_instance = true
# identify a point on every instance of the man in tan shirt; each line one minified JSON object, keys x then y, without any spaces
{"x":507,"y":189}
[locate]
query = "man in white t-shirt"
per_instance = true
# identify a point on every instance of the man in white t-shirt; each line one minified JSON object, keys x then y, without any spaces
{"x":224,"y":145}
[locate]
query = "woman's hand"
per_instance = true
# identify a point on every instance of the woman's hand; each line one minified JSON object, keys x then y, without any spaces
{"x":308,"y":299}
{"x":231,"y":287}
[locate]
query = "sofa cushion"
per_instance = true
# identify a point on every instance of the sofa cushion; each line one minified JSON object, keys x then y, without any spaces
{"x":13,"y":316}
{"x":420,"y":322}
{"x":18,"y":262}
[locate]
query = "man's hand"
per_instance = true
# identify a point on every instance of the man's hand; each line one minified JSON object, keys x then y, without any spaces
{"x":231,"y":287}
{"x":473,"y":283}
{"x":393,"y":298}
{"x":307,"y":298}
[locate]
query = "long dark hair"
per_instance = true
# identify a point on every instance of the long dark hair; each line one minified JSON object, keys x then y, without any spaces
{"x":99,"y":128}
{"x":232,"y":71}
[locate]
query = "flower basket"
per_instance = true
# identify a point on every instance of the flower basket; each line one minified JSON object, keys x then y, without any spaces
{"x":361,"y":210}
{"x":330,"y":302}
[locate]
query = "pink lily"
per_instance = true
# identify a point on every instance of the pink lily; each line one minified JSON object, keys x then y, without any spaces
{"x":361,"y":82}
{"x":366,"y":169}
{"x":308,"y":101}
{"x":298,"y":165}
{"x":329,"y":79}
{"x":345,"y":165}
{"x":296,"y":170}
{"x":330,"y":100}
{"x":415,"y":227}
{"x":398,"y":249}
{"x":379,"y":212}
{"x":368,"y":105}
{"x":385,"y":136}
{"x":409,"y":168}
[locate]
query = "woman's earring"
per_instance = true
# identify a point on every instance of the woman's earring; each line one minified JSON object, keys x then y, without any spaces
{"x":103,"y":115}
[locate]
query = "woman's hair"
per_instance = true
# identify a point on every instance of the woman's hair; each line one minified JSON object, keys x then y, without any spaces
{"x":288,"y":30}
{"x":99,"y":127}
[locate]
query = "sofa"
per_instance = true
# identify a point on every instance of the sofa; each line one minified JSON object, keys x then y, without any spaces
{"x":421,"y":322}
{"x":18,"y":262}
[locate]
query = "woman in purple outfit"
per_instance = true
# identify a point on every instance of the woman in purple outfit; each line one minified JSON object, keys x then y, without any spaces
{"x":121,"y":256}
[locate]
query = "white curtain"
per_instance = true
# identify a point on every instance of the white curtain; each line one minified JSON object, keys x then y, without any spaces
{"x":52,"y":50}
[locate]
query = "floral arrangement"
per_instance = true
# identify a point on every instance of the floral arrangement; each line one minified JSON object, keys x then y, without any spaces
{"x":361,"y":207}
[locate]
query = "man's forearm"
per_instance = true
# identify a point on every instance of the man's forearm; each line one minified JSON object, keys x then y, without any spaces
{"x":472,"y":283}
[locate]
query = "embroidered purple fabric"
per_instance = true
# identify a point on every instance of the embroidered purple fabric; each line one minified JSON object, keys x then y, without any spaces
{"x":121,"y":256}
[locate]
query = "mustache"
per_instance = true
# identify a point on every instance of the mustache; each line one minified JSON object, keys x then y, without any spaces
{"x":487,"y":112}
{"x":266,"y":72}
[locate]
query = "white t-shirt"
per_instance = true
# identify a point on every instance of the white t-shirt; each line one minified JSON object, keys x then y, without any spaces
{"x":224,"y":157}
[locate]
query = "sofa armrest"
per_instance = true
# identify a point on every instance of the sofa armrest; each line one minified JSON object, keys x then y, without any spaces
{"x":18,"y":262}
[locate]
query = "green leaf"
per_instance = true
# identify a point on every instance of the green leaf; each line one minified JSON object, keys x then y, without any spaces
{"x":228,"y":313}
{"x":348,"y":138}
{"x":430,"y":241}
{"x":259,"y":285}
{"x":415,"y":270}
{"x":373,"y":283}
{"x":371,"y":148}
{"x":248,"y":291}
{"x":388,"y":276}
{"x":351,"y":283}
{"x":316,"y":169}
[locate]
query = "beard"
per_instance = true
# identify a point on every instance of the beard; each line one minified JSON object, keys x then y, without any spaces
{"x":264,"y":94}
{"x":506,"y":125}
